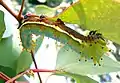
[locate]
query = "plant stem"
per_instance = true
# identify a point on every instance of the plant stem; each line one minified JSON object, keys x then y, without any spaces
{"x":10,"y":11}
{"x":16,"y":77}
{"x":3,"y":76}
{"x":21,"y":9}
{"x":32,"y":54}
{"x":9,"y":80}
{"x":43,"y":70}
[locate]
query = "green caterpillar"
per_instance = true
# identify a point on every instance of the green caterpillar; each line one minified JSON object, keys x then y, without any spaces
{"x":91,"y":46}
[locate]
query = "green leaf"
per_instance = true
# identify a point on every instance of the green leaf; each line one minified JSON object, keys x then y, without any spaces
{"x":44,"y":10}
{"x":77,"y":78}
{"x":2,"y":24}
{"x":7,"y":71}
{"x":83,"y":79}
{"x":103,"y":15}
{"x":68,"y":60}
{"x":74,"y":14}
{"x":53,"y":3}
{"x":8,"y":52}
{"x":24,"y":61}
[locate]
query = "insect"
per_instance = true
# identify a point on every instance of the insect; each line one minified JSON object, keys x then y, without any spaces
{"x":93,"y":46}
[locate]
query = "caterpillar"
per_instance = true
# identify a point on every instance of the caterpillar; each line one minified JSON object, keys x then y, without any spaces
{"x":92,"y":46}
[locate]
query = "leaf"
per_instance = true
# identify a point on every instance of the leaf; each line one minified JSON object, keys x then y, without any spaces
{"x":2,"y":24}
{"x":83,"y":79}
{"x":44,"y":10}
{"x":77,"y":78}
{"x":53,"y":3}
{"x":8,"y":53}
{"x":7,"y":71}
{"x":74,"y":14}
{"x":68,"y":61}
{"x":103,"y":15}
{"x":24,"y":61}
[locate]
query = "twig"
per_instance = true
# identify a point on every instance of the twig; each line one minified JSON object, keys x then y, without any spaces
{"x":10,"y":80}
{"x":32,"y":54}
{"x":5,"y":77}
{"x":21,"y":9}
{"x":16,"y":77}
{"x":10,"y":11}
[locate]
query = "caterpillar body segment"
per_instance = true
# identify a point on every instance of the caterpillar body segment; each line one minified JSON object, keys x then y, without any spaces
{"x":29,"y":28}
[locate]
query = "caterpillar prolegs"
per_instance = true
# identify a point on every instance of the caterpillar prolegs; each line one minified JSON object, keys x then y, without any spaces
{"x":91,"y":46}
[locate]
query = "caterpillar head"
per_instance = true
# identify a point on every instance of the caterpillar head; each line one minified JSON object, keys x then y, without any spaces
{"x":96,"y":49}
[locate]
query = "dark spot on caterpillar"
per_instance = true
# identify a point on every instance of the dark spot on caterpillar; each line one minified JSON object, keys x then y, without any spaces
{"x":82,"y":46}
{"x":80,"y":52}
{"x":92,"y":38}
{"x":91,"y":57}
{"x":99,"y":64}
{"x":79,"y":60}
{"x":60,"y":21}
{"x":25,"y":16}
{"x":92,"y":32}
{"x":42,"y":16}
{"x":85,"y":60}
{"x":67,"y":49}
{"x":94,"y":64}
{"x":95,"y":42}
{"x":101,"y":58}
{"x":102,"y":47}
{"x":90,"y":44}
{"x":99,"y":36}
{"x":118,"y":76}
{"x":109,"y":50}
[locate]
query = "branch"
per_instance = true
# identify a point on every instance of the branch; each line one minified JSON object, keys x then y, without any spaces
{"x":10,"y":80}
{"x":16,"y":77}
{"x":32,"y":54}
{"x":5,"y":77}
{"x":20,"y":17}
{"x":10,"y":11}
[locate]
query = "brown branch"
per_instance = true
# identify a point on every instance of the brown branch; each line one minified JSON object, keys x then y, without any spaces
{"x":32,"y":54}
{"x":20,"y":17}
{"x":10,"y":80}
{"x":16,"y":77}
{"x":10,"y":11}
{"x":5,"y":77}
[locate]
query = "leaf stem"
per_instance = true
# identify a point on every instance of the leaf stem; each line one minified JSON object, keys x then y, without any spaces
{"x":32,"y":54}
